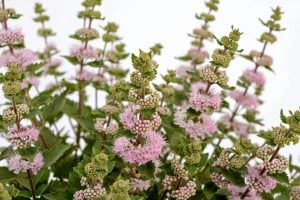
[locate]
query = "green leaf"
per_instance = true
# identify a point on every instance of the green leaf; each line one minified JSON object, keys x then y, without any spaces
{"x":96,"y":63}
{"x":53,"y":154}
{"x":280,"y":177}
{"x":71,"y":59}
{"x":152,"y":193}
{"x":147,"y":169}
{"x":6,"y":175}
{"x":282,"y":116}
{"x":233,"y":177}
{"x":52,"y":110}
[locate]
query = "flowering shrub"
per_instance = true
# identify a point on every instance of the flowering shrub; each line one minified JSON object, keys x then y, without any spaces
{"x":140,"y":139}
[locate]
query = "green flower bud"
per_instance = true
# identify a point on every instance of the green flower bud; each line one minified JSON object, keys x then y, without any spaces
{"x":222,"y":78}
{"x":41,"y":18}
{"x":86,"y":34}
{"x":170,"y":77}
{"x":156,"y":49}
{"x":268,"y":37}
{"x":111,"y":27}
{"x":137,"y":80}
{"x":44,"y":32}
{"x":281,"y":136}
{"x":4,"y":195}
{"x":237,"y":162}
{"x":91,"y":3}
{"x":120,"y":186}
{"x":107,"y":37}
{"x":211,"y":6}
{"x":118,"y":196}
{"x":3,"y":15}
{"x":221,"y":58}
{"x":100,"y":162}
{"x":11,"y":88}
{"x":193,"y":158}
{"x":168,"y":90}
{"x":38,"y":8}
{"x":235,"y":35}
{"x":207,"y":17}
{"x":112,"y":56}
{"x":243,"y":145}
{"x":90,"y":14}
{"x":195,"y":147}
{"x":94,"y":173}
{"x":120,"y":89}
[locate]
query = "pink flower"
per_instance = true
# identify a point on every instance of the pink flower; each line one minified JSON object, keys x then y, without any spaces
{"x":23,"y":137}
{"x":265,"y":60}
{"x":200,"y":129}
{"x":242,"y":129}
{"x":37,"y":163}
{"x":138,"y":184}
{"x":53,"y":63}
{"x":17,"y":164}
{"x":254,"y":77}
{"x":85,"y":75}
{"x":182,"y":70}
{"x":34,"y":81}
{"x":11,"y":36}
{"x":198,"y":56}
{"x":236,"y":193}
{"x":130,"y":121}
{"x":244,"y":100}
{"x":141,"y":154}
{"x":21,"y":57}
{"x":82,"y":53}
{"x":259,"y":182}
{"x":201,"y":101}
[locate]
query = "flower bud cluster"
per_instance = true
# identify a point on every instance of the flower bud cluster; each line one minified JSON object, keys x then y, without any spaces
{"x":295,"y":193}
{"x":149,"y":101}
{"x":219,"y":180}
{"x":98,"y":168}
{"x":277,"y":165}
{"x":10,"y":115}
{"x":119,"y":191}
{"x":264,"y":152}
{"x":90,"y":193}
{"x":184,"y":192}
{"x":194,"y":155}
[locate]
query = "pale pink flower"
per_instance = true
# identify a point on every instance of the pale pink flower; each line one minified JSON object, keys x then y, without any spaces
{"x":202,"y":128}
{"x":244,"y":99}
{"x":53,"y":63}
{"x":34,"y":81}
{"x":22,"y":137}
{"x":259,"y":182}
{"x":265,"y":60}
{"x":130,"y":121}
{"x":236,"y":193}
{"x":139,"y":184}
{"x":24,"y":84}
{"x":201,"y":101}
{"x":51,"y":46}
{"x":17,"y":164}
{"x":37,"y":163}
{"x":254,"y":77}
{"x":21,"y":57}
{"x":85,"y":75}
{"x":141,"y":154}
{"x":82,"y":53}
{"x":198,"y":56}
{"x":242,"y":129}
{"x":182,"y":70}
{"x":11,"y":36}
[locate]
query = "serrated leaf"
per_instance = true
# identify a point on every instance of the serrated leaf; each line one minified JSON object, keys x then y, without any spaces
{"x":53,"y":154}
{"x":280,"y":177}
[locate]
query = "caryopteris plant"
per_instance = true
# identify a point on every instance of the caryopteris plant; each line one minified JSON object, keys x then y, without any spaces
{"x":104,"y":131}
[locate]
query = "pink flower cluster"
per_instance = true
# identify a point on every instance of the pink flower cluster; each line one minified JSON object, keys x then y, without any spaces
{"x":82,"y":53}
{"x":246,"y":100}
{"x":11,"y":36}
{"x":21,"y":57}
{"x":254,"y":77}
{"x":204,"y":127}
{"x":34,"y":81}
{"x":236,"y":192}
{"x":201,"y":101}
{"x":265,"y":60}
{"x":183,"y":70}
{"x":198,"y":56}
{"x":139,"y":184}
{"x":259,"y":182}
{"x":141,"y":154}
{"x":129,"y":120}
{"x":22,"y":137}
{"x":17,"y":164}
{"x":85,"y":75}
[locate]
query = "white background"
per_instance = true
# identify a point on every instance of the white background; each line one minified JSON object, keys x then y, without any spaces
{"x":145,"y":22}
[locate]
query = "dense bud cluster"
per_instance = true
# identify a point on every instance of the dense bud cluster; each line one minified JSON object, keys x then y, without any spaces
{"x":277,"y":165}
{"x":219,"y":180}
{"x":185,"y":192}
{"x":264,"y":152}
{"x":178,"y":170}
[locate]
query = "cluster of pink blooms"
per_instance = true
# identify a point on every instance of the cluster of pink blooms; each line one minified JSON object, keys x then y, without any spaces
{"x":198,"y":56}
{"x":18,"y":164}
{"x":85,"y":75}
{"x":139,"y":126}
{"x":183,"y":70}
{"x":90,"y":193}
{"x":140,"y":154}
{"x":240,"y":128}
{"x":201,"y":101}
{"x":11,"y":36}
{"x":139,"y":184}
{"x":53,"y":63}
{"x":21,"y":57}
{"x":245,"y":100}
{"x":265,"y":60}
{"x":254,"y":77}
{"x":200,"y":129}
{"x":236,"y":192}
{"x":33,"y":81}
{"x":259,"y":182}
{"x":22,"y":137}
{"x":82,"y":53}
{"x":185,"y":192}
